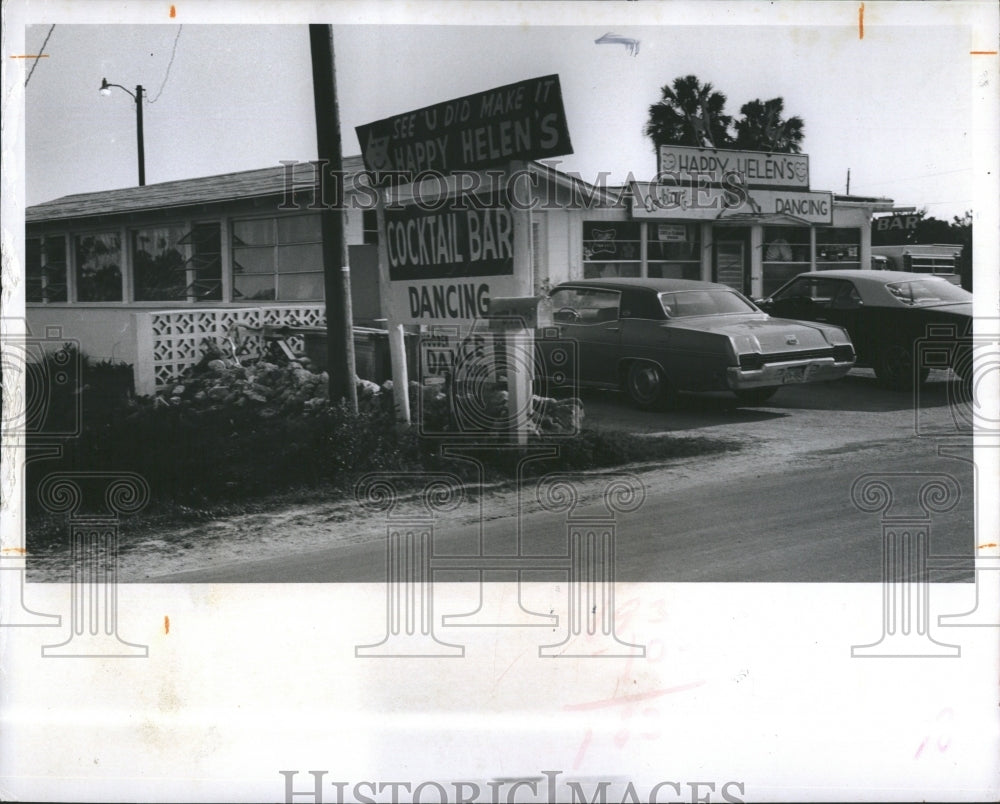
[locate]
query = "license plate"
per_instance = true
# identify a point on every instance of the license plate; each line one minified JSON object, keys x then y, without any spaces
{"x":793,"y":374}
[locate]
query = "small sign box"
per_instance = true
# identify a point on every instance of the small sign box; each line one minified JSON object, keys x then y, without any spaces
{"x":525,"y":120}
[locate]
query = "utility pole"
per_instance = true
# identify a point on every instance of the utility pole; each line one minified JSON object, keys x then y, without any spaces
{"x":848,"y":182}
{"x":336,"y":273}
{"x":138,"y":134}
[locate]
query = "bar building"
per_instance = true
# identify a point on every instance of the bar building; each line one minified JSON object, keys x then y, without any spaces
{"x":143,"y":275}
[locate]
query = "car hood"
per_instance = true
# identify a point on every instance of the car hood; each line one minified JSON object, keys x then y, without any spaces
{"x":773,"y":334}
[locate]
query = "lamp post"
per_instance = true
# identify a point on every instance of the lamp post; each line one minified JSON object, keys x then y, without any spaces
{"x":137,"y":97}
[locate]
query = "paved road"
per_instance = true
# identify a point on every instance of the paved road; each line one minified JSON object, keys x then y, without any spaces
{"x":779,"y":511}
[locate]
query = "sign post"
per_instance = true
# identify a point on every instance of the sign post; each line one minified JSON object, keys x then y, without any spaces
{"x":397,"y":341}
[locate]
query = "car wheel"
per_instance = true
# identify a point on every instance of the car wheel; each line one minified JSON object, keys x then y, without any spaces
{"x":755,"y":396}
{"x":894,"y":368}
{"x":647,"y":386}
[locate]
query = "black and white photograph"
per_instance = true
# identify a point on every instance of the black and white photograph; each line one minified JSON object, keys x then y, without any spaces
{"x":494,"y":401}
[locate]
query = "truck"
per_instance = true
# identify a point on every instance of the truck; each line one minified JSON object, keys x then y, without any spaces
{"x":940,"y":259}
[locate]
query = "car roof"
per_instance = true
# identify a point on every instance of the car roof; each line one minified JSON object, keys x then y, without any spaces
{"x":881,"y":277}
{"x":657,"y":285}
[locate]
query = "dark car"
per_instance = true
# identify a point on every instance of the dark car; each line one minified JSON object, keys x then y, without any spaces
{"x":656,"y":337}
{"x":900,"y":323}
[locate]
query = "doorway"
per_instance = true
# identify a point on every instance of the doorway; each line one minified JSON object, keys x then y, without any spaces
{"x":730,"y":264}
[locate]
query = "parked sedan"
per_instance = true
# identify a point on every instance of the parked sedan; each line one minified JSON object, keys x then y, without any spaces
{"x":656,"y":337}
{"x":900,"y":323}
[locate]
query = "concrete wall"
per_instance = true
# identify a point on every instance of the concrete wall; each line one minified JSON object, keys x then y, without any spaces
{"x":103,"y":332}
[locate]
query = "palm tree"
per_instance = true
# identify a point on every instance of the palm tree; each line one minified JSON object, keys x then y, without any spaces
{"x":689,"y":113}
{"x":762,"y":128}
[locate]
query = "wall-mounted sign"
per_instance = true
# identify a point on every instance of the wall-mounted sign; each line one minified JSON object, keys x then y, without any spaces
{"x":709,"y":166}
{"x":525,"y":120}
{"x":651,"y":200}
{"x":671,"y":233}
{"x":445,"y":263}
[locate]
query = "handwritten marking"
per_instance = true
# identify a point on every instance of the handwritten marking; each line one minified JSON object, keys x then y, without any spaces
{"x":982,"y":52}
{"x":19,"y":551}
{"x":861,"y":21}
{"x":984,"y":546}
{"x":625,"y":699}
{"x":173,"y":12}
{"x":578,"y":760}
{"x":32,"y":56}
{"x":166,"y":624}
{"x":631,"y":45}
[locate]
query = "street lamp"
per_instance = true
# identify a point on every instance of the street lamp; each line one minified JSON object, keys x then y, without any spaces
{"x":137,"y":97}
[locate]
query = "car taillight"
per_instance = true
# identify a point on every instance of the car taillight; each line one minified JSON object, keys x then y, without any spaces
{"x":843,"y":353}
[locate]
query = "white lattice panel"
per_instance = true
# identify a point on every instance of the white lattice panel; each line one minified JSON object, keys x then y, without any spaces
{"x":178,"y":335}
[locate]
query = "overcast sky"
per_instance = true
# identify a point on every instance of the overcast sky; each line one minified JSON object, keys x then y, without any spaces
{"x":894,"y":107}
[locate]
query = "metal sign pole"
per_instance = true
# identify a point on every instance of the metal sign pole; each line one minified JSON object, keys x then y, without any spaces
{"x":397,"y":341}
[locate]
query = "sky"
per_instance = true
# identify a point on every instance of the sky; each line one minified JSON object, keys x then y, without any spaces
{"x":894,"y":107}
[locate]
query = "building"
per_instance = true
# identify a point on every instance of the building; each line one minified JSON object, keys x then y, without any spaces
{"x":144,"y":275}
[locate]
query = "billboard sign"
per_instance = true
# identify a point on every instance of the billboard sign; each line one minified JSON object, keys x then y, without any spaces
{"x":711,"y":166}
{"x":445,"y":263}
{"x":525,"y":120}
{"x":651,"y":200}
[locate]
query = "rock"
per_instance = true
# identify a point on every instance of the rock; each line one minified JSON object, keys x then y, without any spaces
{"x":175,"y":400}
{"x":178,"y":390}
{"x":367,"y":388}
{"x":217,"y":365}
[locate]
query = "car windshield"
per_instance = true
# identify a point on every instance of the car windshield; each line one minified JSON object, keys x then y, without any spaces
{"x":926,"y":292}
{"x":704,"y":302}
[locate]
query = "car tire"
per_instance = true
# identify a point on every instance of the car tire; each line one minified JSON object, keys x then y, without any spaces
{"x":755,"y":396}
{"x":647,"y":386}
{"x":894,"y":368}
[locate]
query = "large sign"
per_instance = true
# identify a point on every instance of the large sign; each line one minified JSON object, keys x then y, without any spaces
{"x":651,"y":200}
{"x":445,"y":263}
{"x":716,"y":168}
{"x":518,"y":121}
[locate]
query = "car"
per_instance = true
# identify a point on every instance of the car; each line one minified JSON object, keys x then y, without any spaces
{"x":655,"y":338}
{"x":890,"y":316}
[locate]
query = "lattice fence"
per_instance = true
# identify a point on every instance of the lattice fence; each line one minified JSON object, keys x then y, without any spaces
{"x":178,"y":334}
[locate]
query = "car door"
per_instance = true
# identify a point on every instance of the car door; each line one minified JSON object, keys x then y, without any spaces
{"x":807,"y":298}
{"x":590,"y":318}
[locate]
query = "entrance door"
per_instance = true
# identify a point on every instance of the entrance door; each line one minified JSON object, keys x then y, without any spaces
{"x":729,"y":267}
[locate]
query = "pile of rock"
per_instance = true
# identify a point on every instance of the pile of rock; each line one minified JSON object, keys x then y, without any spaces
{"x":268,"y":390}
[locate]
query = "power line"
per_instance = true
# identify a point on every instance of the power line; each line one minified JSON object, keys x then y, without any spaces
{"x":169,"y":65}
{"x":38,"y":58}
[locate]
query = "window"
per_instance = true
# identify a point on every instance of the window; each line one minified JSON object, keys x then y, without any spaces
{"x":838,"y":248}
{"x":585,"y":305}
{"x":204,"y":266}
{"x":611,"y":249}
{"x":278,"y":258}
{"x":785,"y":254}
{"x":673,"y":250}
{"x":704,"y":302}
{"x":641,"y":304}
{"x":928,"y":292}
{"x":820,"y":292}
{"x":98,"y":267}
{"x":45,"y":269}
{"x":159,"y":263}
